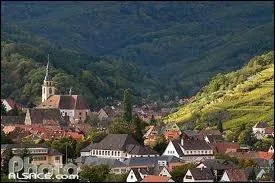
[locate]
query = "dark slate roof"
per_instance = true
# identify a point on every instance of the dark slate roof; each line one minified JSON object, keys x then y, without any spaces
{"x":261,"y":124}
{"x":89,"y":160}
{"x":137,"y":174}
{"x":12,"y":119}
{"x":190,"y":133}
{"x":150,"y":161}
{"x":248,"y":170}
{"x":202,"y":174}
{"x":215,"y":138}
{"x":37,"y":115}
{"x":123,"y":142}
{"x":261,"y":162}
{"x":176,"y":144}
{"x":192,"y":144}
{"x":236,"y":175}
{"x":218,"y":164}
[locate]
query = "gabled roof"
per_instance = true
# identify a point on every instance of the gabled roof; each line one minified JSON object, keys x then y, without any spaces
{"x":236,"y":175}
{"x":65,"y":102}
{"x":218,"y":164}
{"x":154,"y":178}
{"x":192,"y":144}
{"x":202,"y":174}
{"x":123,"y":142}
{"x":38,"y":115}
{"x":137,"y":174}
{"x":224,"y":147}
{"x":12,"y":119}
{"x":261,"y":124}
{"x":248,"y":170}
{"x":215,"y":138}
{"x":209,"y":132}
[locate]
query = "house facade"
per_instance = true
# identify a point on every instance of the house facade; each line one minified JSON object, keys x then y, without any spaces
{"x":118,"y":146}
{"x":198,"y":175}
{"x":189,"y":150}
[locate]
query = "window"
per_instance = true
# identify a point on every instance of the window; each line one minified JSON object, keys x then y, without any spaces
{"x":115,"y":153}
{"x":118,"y":153}
{"x":132,"y":176}
{"x":44,"y":91}
{"x":57,"y":158}
{"x":205,"y":152}
{"x":79,"y":113}
{"x":188,"y":177}
{"x":50,"y":90}
{"x":112,"y":153}
{"x":108,"y":153}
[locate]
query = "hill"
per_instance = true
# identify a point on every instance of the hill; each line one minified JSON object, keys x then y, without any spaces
{"x":240,"y":97}
{"x":23,"y":61}
{"x":181,"y":44}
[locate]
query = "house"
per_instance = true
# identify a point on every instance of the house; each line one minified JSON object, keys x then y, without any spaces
{"x":11,"y":120}
{"x":234,"y":175}
{"x":172,"y":127}
{"x":217,"y":166}
{"x":213,"y":138}
{"x":189,"y":134}
{"x":118,"y":146}
{"x":189,"y":150}
{"x":151,"y":134}
{"x":170,"y":162}
{"x":207,"y":132}
{"x":154,"y":178}
{"x":10,"y":104}
{"x":198,"y":175}
{"x":170,"y":135}
{"x":271,"y":150}
{"x":259,"y":172}
{"x":225,"y":147}
{"x":116,"y":166}
{"x":70,"y":105}
{"x":137,"y":174}
{"x":40,"y":153}
{"x":260,"y":128}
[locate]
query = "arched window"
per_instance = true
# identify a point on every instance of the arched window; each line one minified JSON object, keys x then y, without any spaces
{"x":44,"y":91}
{"x":50,"y":90}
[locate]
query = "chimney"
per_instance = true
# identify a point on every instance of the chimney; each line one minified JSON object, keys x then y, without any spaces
{"x":181,"y":141}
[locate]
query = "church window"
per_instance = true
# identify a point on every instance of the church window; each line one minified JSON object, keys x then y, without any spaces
{"x":50,"y":90}
{"x":44,"y":90}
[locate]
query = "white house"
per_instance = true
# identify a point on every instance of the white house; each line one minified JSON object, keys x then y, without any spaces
{"x":198,"y":175}
{"x":259,"y":129}
{"x":189,"y":150}
{"x":118,"y":146}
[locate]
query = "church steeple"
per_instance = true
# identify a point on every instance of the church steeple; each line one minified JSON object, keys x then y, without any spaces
{"x":47,"y":76}
{"x":47,"y":88}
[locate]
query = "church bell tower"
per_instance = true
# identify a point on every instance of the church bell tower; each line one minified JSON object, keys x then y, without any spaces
{"x":47,"y":88}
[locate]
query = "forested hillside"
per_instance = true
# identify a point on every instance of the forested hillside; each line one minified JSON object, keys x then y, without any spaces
{"x":242,"y":97}
{"x":23,"y":61}
{"x":181,"y":44}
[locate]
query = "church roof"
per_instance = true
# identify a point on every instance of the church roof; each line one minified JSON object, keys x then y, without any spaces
{"x":65,"y":102}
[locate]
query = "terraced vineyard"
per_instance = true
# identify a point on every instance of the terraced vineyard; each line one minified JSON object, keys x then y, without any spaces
{"x":248,"y":102}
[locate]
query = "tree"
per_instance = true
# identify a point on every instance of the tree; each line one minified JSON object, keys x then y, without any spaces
{"x":179,"y":172}
{"x":96,"y":136}
{"x":220,"y":126}
{"x":153,"y":120}
{"x":7,"y":155}
{"x":160,"y":144}
{"x":3,"y":109}
{"x":139,"y":128}
{"x":247,"y":137}
{"x":116,"y":177}
{"x":96,"y":173}
{"x":127,"y":105}
{"x":118,"y":126}
{"x":252,"y":175}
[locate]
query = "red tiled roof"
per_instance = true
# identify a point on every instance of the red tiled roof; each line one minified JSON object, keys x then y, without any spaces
{"x":65,"y":102}
{"x":236,"y":175}
{"x":224,"y":147}
{"x":252,"y":155}
{"x":269,"y":130}
{"x":154,"y":178}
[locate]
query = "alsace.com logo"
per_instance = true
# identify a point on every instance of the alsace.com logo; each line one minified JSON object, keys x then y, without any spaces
{"x":44,"y":171}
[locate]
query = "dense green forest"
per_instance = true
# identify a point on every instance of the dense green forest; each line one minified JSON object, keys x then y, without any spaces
{"x":180,"y":44}
{"x":236,"y":99}
{"x":23,"y":61}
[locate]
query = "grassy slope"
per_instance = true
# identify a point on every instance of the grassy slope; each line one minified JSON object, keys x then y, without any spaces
{"x":244,"y":107}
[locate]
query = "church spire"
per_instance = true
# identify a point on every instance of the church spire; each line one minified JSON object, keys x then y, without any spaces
{"x":47,"y":77}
